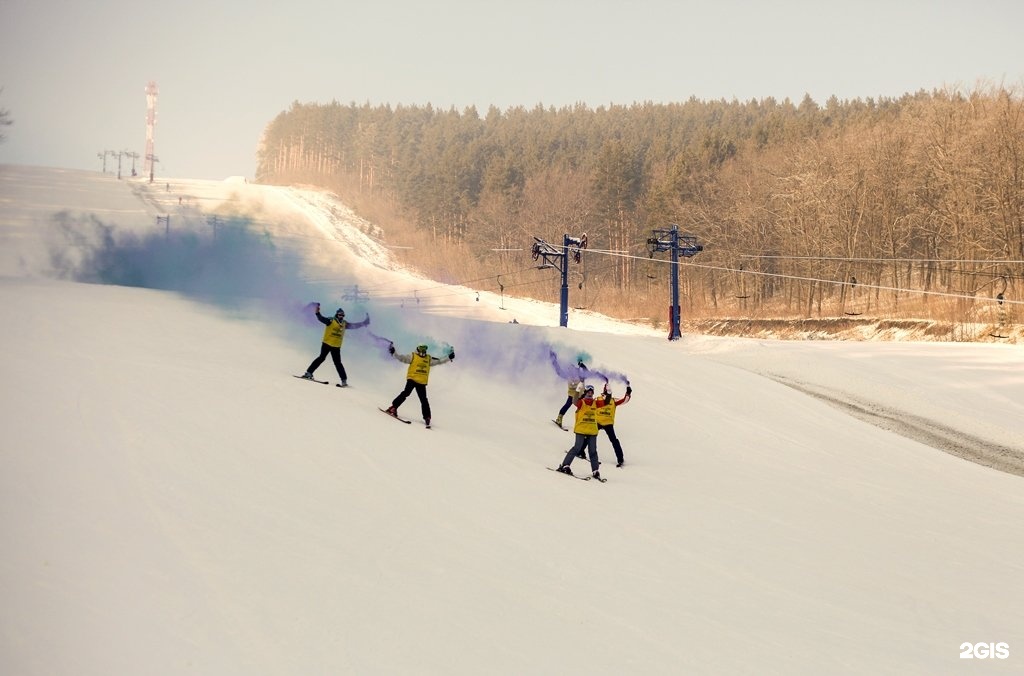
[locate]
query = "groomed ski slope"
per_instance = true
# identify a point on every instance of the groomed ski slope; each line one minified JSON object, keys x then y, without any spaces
{"x":173,"y":501}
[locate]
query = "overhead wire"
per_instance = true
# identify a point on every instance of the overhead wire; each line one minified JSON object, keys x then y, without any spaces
{"x":883,"y":260}
{"x":823,"y":281}
{"x":622,"y":254}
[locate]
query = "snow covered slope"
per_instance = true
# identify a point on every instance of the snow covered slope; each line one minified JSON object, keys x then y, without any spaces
{"x":174,"y":502}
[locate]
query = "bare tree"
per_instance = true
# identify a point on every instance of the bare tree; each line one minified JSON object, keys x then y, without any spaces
{"x":5,"y":120}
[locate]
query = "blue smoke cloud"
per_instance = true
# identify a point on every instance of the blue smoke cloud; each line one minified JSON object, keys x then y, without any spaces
{"x":242,"y":264}
{"x":238,"y":264}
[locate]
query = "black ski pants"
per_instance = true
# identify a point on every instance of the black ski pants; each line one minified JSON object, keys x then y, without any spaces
{"x":421,"y":392}
{"x":610,"y":430}
{"x":335,"y":353}
{"x":566,"y":405}
{"x":583,"y":440}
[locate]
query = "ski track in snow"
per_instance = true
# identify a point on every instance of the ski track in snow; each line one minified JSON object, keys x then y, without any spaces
{"x":342,"y":224}
{"x":929,"y":432}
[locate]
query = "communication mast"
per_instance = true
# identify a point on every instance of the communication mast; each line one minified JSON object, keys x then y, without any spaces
{"x":150,"y":159}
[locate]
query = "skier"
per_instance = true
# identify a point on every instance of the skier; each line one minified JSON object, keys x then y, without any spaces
{"x":334,"y":335}
{"x":585,"y":429}
{"x":416,"y":377}
{"x":606,"y":419}
{"x":575,"y":380}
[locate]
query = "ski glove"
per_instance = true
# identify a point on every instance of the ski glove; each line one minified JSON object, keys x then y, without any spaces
{"x":391,"y":348}
{"x":629,"y":390}
{"x":451,"y":355}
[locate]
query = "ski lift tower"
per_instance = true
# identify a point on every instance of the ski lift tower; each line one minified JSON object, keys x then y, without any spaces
{"x":150,"y":160}
{"x":679,"y":245}
{"x":559,"y":258}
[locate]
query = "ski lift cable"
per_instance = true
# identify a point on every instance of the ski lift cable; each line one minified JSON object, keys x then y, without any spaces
{"x":882,"y":260}
{"x":623,"y":254}
{"x":506,"y":285}
{"x":863,"y":286}
{"x":446,"y":288}
{"x":436,"y":296}
{"x":919,"y":262}
{"x":385,"y":286}
{"x":826,"y":281}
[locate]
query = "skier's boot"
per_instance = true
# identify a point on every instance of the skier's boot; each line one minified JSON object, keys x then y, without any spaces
{"x":392,"y":411}
{"x":597,"y":475}
{"x":343,"y":383}
{"x":559,"y":420}
{"x":564,"y":469}
{"x":427,"y":421}
{"x":307,"y":375}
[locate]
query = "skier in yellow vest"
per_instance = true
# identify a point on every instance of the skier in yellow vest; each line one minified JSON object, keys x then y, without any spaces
{"x":575,"y":378}
{"x":606,"y":419}
{"x":334,"y":335}
{"x":416,"y":377}
{"x":586,"y":430}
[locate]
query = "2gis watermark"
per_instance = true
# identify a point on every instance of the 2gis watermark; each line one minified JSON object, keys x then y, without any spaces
{"x":984,"y":651}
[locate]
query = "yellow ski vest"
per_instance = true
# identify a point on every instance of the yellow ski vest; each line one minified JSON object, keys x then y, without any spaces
{"x":573,"y":382}
{"x":419,"y":369}
{"x":586,"y":417}
{"x":334,"y":333}
{"x":606,"y":414}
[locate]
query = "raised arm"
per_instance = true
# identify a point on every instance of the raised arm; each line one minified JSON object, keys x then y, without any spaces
{"x":404,"y":358}
{"x":436,"y":361}
{"x":358,"y":325}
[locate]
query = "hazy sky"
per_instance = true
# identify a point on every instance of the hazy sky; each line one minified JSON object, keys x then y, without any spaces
{"x":73,"y":72}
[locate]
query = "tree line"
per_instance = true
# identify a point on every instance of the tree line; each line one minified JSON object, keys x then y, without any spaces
{"x":893,"y":206}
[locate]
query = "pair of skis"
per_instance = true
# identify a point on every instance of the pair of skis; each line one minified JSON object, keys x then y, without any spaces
{"x":397,"y":417}
{"x":581,"y":478}
{"x":314,"y":380}
{"x":384,"y":411}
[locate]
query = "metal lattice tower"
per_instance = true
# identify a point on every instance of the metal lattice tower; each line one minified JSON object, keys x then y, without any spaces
{"x":151,"y":93}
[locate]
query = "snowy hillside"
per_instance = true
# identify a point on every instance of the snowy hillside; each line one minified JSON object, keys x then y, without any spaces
{"x":174,"y":502}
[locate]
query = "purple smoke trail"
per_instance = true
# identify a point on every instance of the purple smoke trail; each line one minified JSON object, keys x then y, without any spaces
{"x":568,"y":371}
{"x":307,"y":313}
{"x":380,"y":342}
{"x":608,"y":376}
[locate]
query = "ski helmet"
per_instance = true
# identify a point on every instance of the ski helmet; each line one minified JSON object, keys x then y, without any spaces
{"x":422,"y":349}
{"x":340,"y":314}
{"x":588,"y":388}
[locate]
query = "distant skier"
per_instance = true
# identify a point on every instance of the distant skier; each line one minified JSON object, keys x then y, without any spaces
{"x":334,"y":335}
{"x":585,"y":429}
{"x":416,"y":377}
{"x":606,"y":419}
{"x":575,"y":379}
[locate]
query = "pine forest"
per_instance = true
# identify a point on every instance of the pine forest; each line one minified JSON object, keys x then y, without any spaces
{"x":905,"y":209}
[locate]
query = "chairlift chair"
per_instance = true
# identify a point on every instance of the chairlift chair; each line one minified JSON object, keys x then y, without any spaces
{"x":853,"y":298}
